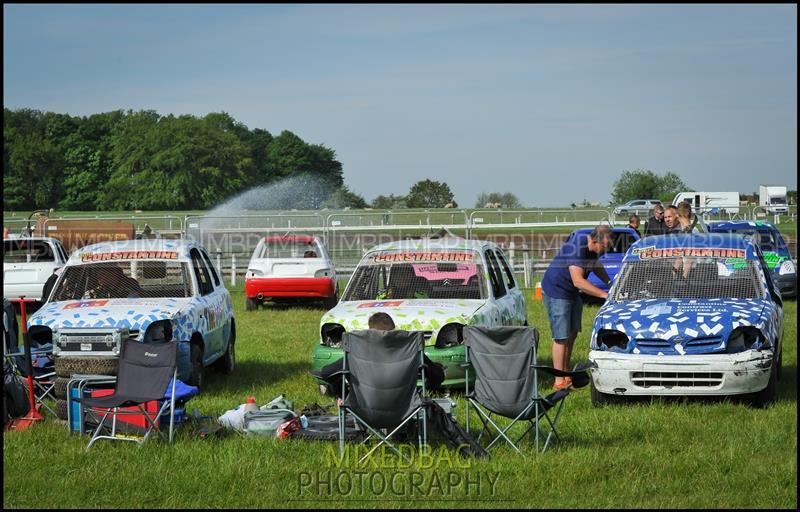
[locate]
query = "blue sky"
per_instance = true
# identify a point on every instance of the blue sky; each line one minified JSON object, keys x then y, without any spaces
{"x":550,"y":102}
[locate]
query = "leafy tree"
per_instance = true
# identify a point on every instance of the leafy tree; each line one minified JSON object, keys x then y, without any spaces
{"x":343,"y":197}
{"x":430,"y":194}
{"x":506,"y":200}
{"x":645,"y":184}
{"x":389,"y":202}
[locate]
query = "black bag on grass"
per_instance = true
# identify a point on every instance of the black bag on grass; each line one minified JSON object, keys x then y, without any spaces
{"x":15,"y":395}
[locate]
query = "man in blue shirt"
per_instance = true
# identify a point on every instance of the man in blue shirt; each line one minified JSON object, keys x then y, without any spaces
{"x":566,"y":275}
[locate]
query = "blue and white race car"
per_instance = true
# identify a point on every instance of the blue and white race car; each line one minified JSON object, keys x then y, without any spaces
{"x":691,"y":314}
{"x":147,"y":290}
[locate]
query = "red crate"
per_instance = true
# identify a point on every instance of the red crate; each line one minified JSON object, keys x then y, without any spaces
{"x":137,"y":420}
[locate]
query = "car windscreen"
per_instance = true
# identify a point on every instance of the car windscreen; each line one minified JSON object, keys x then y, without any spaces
{"x":288,"y":249}
{"x":689,"y":278}
{"x":127,"y":279}
{"x":418,"y":275}
{"x":766,"y":238}
{"x":27,"y":251}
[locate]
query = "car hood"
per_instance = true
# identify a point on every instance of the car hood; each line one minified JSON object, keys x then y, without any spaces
{"x":130,"y":313}
{"x":408,"y":314}
{"x":679,"y":326}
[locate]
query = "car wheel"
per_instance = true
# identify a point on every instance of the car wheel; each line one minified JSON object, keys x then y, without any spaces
{"x":766,"y":396}
{"x":251,"y":304}
{"x":198,"y":370}
{"x":61,"y":409}
{"x":331,"y":302}
{"x":600,"y":399}
{"x":60,"y":387}
{"x":66,"y":366}
{"x":228,"y":361}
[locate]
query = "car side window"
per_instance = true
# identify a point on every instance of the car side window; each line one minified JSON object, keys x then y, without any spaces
{"x":509,"y":275}
{"x":212,"y":269}
{"x":201,"y":273}
{"x":495,"y":277}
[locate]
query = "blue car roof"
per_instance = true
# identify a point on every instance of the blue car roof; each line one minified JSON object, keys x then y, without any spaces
{"x":728,"y":225}
{"x":723,"y":245}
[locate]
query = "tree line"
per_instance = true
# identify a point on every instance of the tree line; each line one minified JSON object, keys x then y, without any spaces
{"x":127,"y":160}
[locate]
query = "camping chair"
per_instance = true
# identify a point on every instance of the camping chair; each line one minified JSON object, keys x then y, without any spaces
{"x":381,"y":369}
{"x":143,"y":374}
{"x":507,"y":382}
{"x":44,"y":372}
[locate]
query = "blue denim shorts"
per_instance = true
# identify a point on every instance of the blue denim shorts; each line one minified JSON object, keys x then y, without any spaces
{"x":564,"y":316}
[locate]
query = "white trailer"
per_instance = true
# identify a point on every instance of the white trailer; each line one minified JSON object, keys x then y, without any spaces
{"x":710,"y":202}
{"x":773,"y":199}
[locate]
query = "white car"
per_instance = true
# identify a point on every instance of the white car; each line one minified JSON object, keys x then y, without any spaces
{"x":28,"y":262}
{"x":433,"y":285}
{"x":144,"y":290}
{"x":638,"y":206}
{"x":293,"y":268}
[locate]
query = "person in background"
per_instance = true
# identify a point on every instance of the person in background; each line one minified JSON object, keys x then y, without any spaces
{"x":562,"y":281}
{"x":671,"y":224}
{"x":655,"y":224}
{"x":434,"y":372}
{"x":684,"y":211}
{"x":633,"y":222}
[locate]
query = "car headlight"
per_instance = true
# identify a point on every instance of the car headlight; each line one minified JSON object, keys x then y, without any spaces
{"x":159,"y":332}
{"x":745,"y":338}
{"x":787,"y":267}
{"x":450,"y":335}
{"x":612,"y":339}
{"x":332,"y":335}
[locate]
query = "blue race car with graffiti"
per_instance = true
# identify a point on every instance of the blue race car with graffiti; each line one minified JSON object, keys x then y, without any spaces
{"x":146,"y":290}
{"x":773,"y":247}
{"x":692,"y":314}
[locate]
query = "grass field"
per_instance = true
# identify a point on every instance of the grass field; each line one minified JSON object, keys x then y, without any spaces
{"x":676,"y":454}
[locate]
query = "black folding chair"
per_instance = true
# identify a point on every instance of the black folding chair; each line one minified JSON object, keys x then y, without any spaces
{"x":143,"y":375}
{"x":507,"y":383}
{"x":381,"y":368}
{"x":44,"y":372}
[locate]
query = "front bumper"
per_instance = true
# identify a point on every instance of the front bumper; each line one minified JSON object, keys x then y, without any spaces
{"x":451,"y":358}
{"x":319,"y":287}
{"x":713,"y":374}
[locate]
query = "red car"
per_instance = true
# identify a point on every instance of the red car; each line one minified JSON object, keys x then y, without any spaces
{"x":290,"y":269}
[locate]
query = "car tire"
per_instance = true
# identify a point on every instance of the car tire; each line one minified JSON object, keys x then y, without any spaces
{"x":66,"y":366}
{"x":600,"y":399}
{"x":60,"y":387}
{"x":197,"y":376}
{"x":61,"y":409}
{"x":251,"y":304}
{"x":331,"y":302}
{"x":227,"y":362}
{"x":766,"y":397}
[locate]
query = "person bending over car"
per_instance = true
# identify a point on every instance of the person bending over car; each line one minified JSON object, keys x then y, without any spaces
{"x":434,"y":372}
{"x":562,"y":281}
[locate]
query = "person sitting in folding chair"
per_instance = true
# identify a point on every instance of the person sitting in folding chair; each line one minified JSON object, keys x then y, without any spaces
{"x":507,"y":380}
{"x":143,"y":375}
{"x":434,"y":372}
{"x":381,"y":367}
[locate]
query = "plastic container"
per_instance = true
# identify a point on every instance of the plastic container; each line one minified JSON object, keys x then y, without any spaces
{"x":303,"y":422}
{"x":250,"y":405}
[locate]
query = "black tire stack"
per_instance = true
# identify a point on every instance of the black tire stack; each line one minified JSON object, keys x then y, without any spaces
{"x":68,"y":366}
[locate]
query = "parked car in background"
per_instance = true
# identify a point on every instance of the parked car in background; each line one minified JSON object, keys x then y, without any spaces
{"x":692,"y":314}
{"x":27,"y":263}
{"x":774,"y":248}
{"x":144,"y":290}
{"x":432,"y":285}
{"x":290,"y":269}
{"x":640,"y":207}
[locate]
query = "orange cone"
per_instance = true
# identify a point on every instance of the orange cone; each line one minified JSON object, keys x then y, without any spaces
{"x":537,"y":294}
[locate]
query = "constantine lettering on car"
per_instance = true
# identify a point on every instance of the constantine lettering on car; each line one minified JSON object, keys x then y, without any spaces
{"x":690,"y":314}
{"x":436,"y":286}
{"x":150,"y":290}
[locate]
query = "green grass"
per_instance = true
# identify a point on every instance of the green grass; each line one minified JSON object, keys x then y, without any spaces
{"x":675,"y":454}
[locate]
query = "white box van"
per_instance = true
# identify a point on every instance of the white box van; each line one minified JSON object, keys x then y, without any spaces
{"x":710,"y":202}
{"x":773,"y":198}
